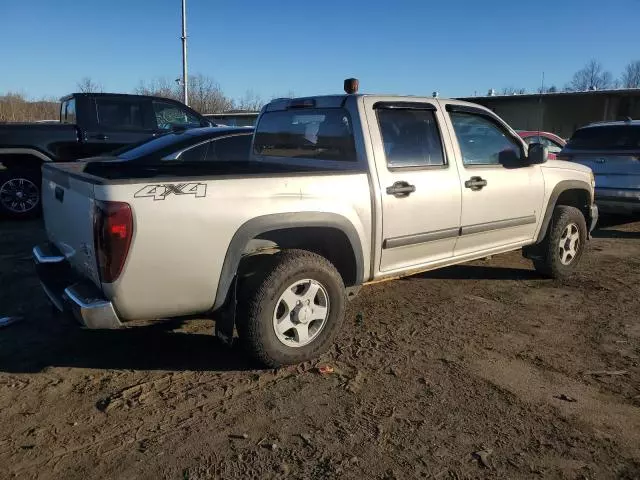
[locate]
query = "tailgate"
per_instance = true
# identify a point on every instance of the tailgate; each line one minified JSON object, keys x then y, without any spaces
{"x":612,"y":170}
{"x":68,"y":204}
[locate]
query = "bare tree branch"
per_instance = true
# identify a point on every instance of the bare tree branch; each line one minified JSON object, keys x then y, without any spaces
{"x":592,"y":76}
{"x":15,"y":108}
{"x":205,"y":95}
{"x":86,"y":85}
{"x":250,"y":102}
{"x":631,"y":75}
{"x":513,"y":91}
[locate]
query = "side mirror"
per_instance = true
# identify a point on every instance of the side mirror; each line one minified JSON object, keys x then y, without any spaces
{"x":538,"y":153}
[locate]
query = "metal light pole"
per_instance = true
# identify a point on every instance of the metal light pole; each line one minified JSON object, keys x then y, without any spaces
{"x":184,"y":53}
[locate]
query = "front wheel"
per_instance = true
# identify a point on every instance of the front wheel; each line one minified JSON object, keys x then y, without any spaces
{"x":293,"y":312}
{"x":564,"y":244}
{"x":20,"y":196}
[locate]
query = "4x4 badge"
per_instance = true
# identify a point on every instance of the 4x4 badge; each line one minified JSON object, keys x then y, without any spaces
{"x":160,"y":192}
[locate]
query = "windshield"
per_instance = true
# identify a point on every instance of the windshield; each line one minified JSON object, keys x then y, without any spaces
{"x":613,"y":137}
{"x":326,"y":134}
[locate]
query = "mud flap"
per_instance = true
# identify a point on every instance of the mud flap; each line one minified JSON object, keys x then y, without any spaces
{"x":226,"y":317}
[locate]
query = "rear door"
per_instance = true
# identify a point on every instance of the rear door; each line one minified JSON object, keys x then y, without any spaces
{"x":419,"y":183}
{"x":501,"y":196}
{"x":120,"y":121}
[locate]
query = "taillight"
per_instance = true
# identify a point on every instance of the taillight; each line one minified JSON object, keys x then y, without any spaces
{"x":112,"y":233}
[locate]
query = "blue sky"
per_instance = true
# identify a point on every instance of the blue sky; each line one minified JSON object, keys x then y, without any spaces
{"x":276,"y":46}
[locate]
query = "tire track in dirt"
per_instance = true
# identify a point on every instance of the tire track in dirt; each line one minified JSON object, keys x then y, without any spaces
{"x":604,"y":414}
{"x":179,"y":419}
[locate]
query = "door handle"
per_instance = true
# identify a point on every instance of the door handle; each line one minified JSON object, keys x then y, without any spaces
{"x":401,"y":189}
{"x":100,"y":136}
{"x":475,"y":183}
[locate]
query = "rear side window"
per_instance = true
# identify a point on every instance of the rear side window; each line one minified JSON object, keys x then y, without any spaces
{"x":195,"y":154}
{"x":611,"y":137}
{"x":69,"y":111}
{"x":119,"y":114}
{"x":411,"y":137}
{"x":325,"y":134}
{"x":230,"y":149}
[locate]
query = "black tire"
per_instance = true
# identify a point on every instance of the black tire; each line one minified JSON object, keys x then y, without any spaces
{"x":28,"y":182}
{"x":549,"y":258}
{"x":261,"y":296}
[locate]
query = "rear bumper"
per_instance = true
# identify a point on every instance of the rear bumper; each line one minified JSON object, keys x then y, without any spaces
{"x":621,"y":201}
{"x":71,"y":294}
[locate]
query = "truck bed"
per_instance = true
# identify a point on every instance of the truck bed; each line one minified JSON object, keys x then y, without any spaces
{"x":184,"y":219}
{"x":105,"y":171}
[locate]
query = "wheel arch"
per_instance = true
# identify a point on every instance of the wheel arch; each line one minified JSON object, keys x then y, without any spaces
{"x":573,"y":193}
{"x":328,"y":234}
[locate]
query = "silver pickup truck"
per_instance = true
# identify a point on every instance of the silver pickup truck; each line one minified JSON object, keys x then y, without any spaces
{"x":340,"y":191}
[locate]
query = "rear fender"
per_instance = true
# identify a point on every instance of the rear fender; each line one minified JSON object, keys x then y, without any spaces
{"x":263,"y":224}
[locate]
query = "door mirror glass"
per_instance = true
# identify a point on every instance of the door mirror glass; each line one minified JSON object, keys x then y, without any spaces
{"x":538,"y":153}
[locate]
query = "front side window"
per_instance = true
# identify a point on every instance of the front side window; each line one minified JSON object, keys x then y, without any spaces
{"x":119,"y":114}
{"x":411,"y":137}
{"x":482,"y":142}
{"x":324,"y":134}
{"x":169,"y":115}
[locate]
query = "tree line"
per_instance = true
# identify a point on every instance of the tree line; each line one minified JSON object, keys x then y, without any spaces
{"x":593,"y":76}
{"x":205,"y":96}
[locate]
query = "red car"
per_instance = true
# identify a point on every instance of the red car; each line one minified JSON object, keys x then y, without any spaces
{"x":553,"y":142}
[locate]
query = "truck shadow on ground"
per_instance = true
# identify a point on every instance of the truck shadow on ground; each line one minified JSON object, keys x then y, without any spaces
{"x":615,"y":234}
{"x":481,"y":272}
{"x":154,"y":347}
{"x":607,"y":223}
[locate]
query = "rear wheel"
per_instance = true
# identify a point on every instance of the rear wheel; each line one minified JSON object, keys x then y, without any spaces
{"x":559,"y":253}
{"x":292,"y":312}
{"x":20,"y":195}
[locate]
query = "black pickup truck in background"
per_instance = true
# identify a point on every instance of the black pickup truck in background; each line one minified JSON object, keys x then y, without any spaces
{"x":90,"y":124}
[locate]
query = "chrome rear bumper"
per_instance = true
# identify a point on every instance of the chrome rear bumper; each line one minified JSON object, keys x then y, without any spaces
{"x":70,"y":294}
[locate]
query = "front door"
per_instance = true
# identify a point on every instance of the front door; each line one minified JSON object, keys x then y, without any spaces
{"x":502,"y":197}
{"x":419,"y":185}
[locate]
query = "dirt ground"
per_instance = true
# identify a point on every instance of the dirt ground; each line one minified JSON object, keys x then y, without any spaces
{"x":484,"y":370}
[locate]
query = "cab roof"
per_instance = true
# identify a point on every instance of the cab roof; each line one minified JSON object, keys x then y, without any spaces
{"x":107,"y":94}
{"x":336,"y":101}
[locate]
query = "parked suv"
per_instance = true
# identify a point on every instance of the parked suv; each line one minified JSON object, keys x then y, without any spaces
{"x":612,"y":151}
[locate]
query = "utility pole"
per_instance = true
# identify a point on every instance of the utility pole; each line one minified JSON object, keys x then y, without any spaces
{"x":185,"y":79}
